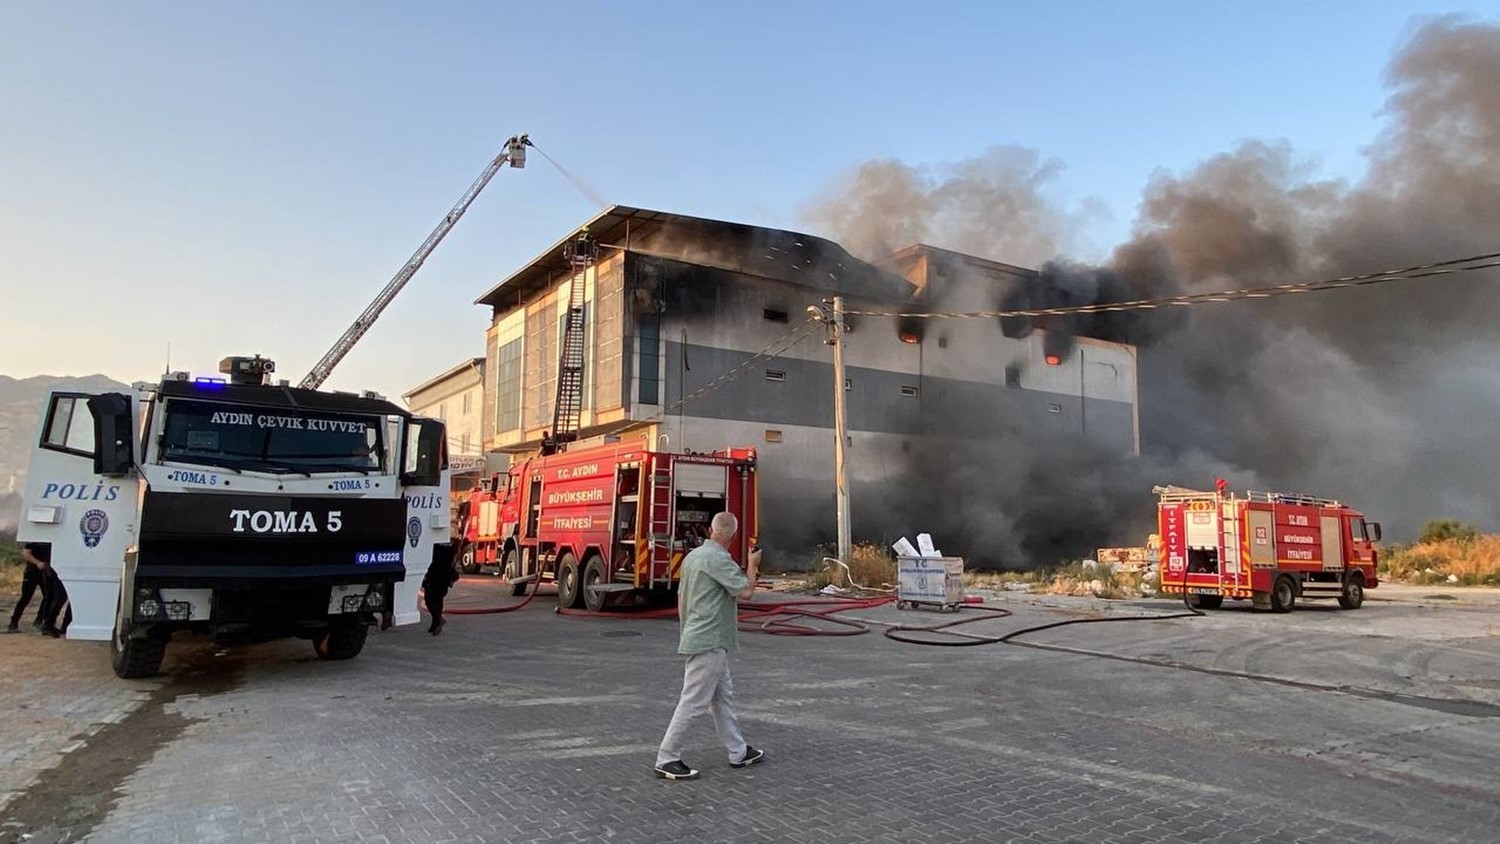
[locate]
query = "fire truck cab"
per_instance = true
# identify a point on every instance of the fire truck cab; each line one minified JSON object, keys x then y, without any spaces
{"x":607,"y":520}
{"x":1272,"y":548}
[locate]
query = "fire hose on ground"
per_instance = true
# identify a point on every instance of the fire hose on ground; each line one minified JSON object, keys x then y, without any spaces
{"x":802,"y":617}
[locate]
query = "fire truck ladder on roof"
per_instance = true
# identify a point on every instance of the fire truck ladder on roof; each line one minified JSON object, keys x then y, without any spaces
{"x":567,"y":411}
{"x":1292,"y":498}
{"x":659,"y":525}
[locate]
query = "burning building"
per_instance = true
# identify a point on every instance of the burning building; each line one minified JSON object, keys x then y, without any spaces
{"x":673,"y":302}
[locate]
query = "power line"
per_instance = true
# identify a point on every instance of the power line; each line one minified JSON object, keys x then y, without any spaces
{"x":1436,"y":268}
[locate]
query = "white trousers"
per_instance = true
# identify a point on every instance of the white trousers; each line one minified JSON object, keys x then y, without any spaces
{"x":706,"y":687}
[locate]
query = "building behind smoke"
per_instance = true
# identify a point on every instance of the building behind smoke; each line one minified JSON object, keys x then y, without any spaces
{"x":675,"y":302}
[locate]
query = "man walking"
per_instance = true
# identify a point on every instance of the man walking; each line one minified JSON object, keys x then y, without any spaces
{"x":707,"y":608}
{"x":32,"y":579}
{"x":54,"y":593}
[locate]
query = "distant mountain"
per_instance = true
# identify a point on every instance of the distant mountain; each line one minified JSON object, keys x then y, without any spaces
{"x":20,"y":409}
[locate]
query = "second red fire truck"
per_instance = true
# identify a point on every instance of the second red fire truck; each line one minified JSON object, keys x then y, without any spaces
{"x":607,"y":520}
{"x":1269,"y":547}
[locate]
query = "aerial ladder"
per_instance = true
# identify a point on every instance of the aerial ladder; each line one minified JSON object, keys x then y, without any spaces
{"x":567,"y":411}
{"x":513,"y":154}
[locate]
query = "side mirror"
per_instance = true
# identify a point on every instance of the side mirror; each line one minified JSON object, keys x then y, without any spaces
{"x":1372,"y":530}
{"x":114,"y":434}
{"x":426,"y":453}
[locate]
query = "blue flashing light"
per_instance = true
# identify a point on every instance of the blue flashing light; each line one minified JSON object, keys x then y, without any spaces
{"x":206,"y":383}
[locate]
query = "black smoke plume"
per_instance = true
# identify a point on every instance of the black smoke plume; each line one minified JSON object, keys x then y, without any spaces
{"x":1383,"y":396}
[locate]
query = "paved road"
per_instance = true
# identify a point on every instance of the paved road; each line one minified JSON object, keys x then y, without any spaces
{"x":536,"y":727}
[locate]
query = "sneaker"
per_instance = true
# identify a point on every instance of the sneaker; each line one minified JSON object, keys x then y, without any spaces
{"x":676,"y":770}
{"x":750,"y":758}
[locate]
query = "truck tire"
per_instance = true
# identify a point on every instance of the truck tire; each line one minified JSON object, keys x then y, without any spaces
{"x":513,"y":573}
{"x":467,"y":562}
{"x":569,"y":582}
{"x":1206,"y":602}
{"x":1283,"y":594}
{"x":595,"y":574}
{"x":138,"y":658}
{"x":1352,"y":597}
{"x":344,"y":640}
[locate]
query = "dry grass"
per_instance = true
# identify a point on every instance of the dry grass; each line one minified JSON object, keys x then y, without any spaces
{"x":1098,"y":581}
{"x":10,"y":566}
{"x":869,"y":565}
{"x":875,"y":566}
{"x":1461,"y":562}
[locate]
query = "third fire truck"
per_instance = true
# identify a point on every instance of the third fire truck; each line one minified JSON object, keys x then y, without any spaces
{"x":609,"y":519}
{"x":1269,"y":547}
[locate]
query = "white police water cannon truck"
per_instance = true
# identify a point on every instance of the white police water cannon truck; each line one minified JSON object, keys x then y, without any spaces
{"x":238,"y":508}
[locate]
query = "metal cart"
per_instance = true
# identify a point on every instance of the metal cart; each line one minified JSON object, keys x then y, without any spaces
{"x":930,"y":581}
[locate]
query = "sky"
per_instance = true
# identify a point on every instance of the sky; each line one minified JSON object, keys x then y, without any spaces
{"x":208,"y":179}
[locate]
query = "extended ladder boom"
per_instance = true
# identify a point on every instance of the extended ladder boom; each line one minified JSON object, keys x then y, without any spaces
{"x":514,"y":154}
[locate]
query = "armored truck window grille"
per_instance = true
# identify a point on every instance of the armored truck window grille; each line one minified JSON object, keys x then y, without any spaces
{"x":271,"y":439}
{"x":775,"y":375}
{"x":70,"y":426}
{"x":908,"y":391}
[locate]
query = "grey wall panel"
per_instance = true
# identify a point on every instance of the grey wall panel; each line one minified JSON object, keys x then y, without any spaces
{"x":876,"y":402}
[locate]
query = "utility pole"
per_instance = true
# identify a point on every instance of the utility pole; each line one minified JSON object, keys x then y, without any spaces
{"x":840,"y":428}
{"x":835,"y":323}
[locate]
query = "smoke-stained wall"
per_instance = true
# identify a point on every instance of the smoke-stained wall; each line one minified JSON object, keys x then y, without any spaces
{"x":967,"y":386}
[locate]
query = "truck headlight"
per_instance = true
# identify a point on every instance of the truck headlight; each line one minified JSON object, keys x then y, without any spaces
{"x":149,"y":608}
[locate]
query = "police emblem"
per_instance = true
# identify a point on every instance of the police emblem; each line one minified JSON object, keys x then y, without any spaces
{"x":414,"y":530}
{"x":93,"y":526}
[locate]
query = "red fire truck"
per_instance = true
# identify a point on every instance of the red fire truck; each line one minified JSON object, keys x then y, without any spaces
{"x":1269,"y":547}
{"x":607,"y":520}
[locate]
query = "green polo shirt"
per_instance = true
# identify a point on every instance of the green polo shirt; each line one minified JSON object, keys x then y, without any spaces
{"x":707,"y":600}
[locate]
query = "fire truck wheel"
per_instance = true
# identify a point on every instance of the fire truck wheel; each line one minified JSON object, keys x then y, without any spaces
{"x":513,"y":573}
{"x":1207,"y":602}
{"x":469,"y":566}
{"x":594,"y":574}
{"x":1353,"y":595}
{"x":1283,"y":594}
{"x":569,"y":593}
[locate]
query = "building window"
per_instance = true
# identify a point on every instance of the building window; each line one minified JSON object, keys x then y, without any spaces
{"x":649,"y":356}
{"x":775,"y":315}
{"x":908,"y":391}
{"x":1054,"y":408}
{"x":443,"y":411}
{"x":468,"y":402}
{"x":508,"y":386}
{"x":776,"y":375}
{"x":463,"y":447}
{"x":773,"y":436}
